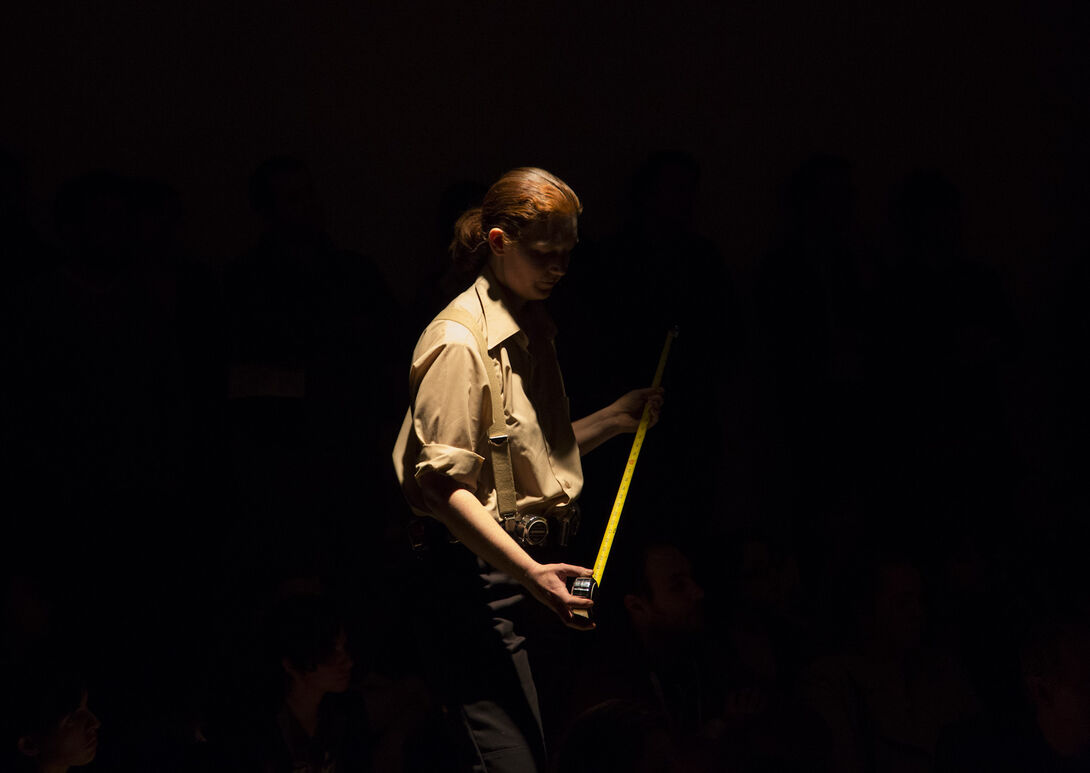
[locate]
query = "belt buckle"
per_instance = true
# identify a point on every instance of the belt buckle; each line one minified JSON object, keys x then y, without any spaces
{"x":568,"y":522}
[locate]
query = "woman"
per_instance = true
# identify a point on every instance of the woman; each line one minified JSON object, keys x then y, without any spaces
{"x":498,"y":482}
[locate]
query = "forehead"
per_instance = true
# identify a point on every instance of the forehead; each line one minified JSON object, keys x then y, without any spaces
{"x":553,"y":232}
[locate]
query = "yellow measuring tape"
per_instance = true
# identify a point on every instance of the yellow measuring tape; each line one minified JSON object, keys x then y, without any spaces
{"x":626,"y":479}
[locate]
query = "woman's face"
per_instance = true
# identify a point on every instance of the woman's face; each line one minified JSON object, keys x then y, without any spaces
{"x":531,"y":266}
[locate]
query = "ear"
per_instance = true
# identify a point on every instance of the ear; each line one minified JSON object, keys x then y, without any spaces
{"x":289,"y":669}
{"x":27,"y":747}
{"x":497,"y":240}
{"x":636,"y":607}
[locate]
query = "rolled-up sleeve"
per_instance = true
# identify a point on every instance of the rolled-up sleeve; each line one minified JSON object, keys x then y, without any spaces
{"x":449,"y":405}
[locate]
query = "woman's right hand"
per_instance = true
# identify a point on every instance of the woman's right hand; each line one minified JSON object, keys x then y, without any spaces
{"x":548,"y":584}
{"x":460,"y":511}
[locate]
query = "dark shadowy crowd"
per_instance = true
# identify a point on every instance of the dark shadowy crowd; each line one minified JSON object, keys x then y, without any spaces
{"x":835,"y":555}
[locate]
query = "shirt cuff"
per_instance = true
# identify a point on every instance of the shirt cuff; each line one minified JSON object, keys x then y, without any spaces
{"x":456,"y":463}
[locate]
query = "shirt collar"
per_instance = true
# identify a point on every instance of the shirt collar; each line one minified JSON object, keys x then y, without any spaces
{"x":501,"y":323}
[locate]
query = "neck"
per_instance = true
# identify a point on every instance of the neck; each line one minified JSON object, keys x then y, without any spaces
{"x":303,"y":705}
{"x":513,"y":301}
{"x":53,"y":768}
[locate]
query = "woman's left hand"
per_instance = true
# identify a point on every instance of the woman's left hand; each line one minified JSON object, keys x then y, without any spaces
{"x":623,"y":415}
{"x":628,"y":409}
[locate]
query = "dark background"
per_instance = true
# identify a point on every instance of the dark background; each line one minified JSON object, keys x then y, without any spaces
{"x":391,"y":105}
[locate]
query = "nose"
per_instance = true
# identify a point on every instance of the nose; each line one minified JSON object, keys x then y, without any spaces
{"x":343,"y":659}
{"x":559,"y":266}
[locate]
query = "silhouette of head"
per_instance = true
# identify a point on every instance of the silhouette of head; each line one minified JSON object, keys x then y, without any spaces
{"x":312,"y":646}
{"x":663,"y":600}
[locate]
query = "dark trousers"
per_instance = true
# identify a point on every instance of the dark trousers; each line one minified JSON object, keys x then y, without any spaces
{"x":469,"y":617}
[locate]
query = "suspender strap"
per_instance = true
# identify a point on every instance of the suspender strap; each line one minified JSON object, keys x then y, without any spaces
{"x":497,"y":433}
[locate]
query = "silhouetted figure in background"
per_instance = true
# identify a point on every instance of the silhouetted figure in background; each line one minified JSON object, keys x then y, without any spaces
{"x":948,"y":336}
{"x":189,"y":323}
{"x":811,"y":311}
{"x":188,"y":293}
{"x":652,"y":647}
{"x":80,"y":365}
{"x":95,"y":443}
{"x":113,"y":443}
{"x":721,"y":697}
{"x":767,"y":636}
{"x":887,"y":694}
{"x":320,"y":728}
{"x":1049,"y":731}
{"x":762,"y":609}
{"x":311,"y":364}
{"x":666,"y":612}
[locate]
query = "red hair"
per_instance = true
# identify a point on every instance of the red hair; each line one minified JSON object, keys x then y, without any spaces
{"x":522,"y":196}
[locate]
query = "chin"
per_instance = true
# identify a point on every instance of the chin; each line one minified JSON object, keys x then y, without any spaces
{"x":86,"y":757}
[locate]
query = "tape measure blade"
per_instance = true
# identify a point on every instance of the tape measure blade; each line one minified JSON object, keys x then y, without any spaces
{"x":630,"y":466}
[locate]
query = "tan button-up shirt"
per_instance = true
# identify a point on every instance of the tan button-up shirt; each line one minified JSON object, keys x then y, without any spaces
{"x":446,"y":430}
